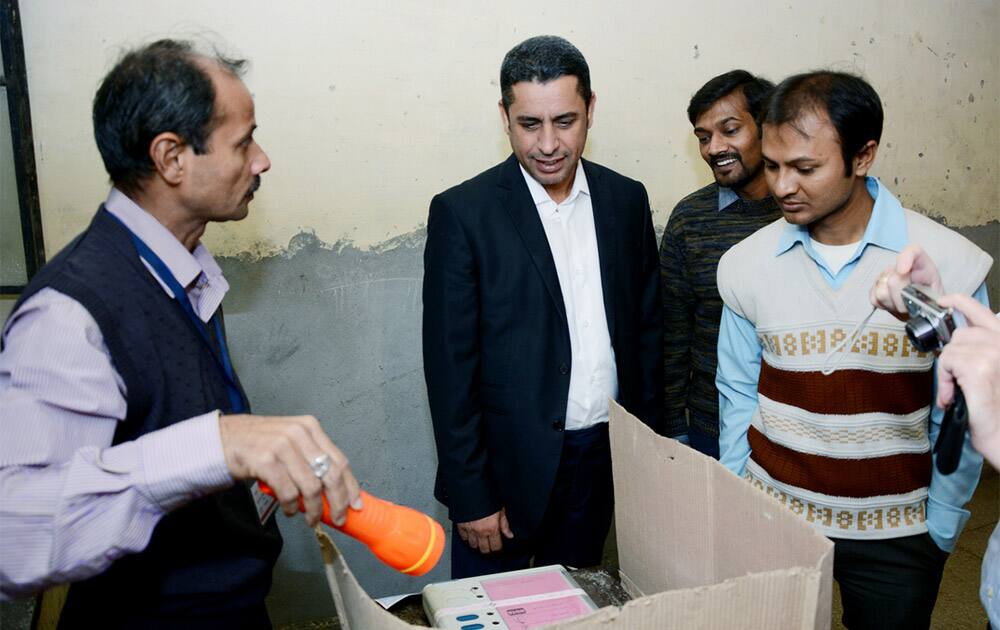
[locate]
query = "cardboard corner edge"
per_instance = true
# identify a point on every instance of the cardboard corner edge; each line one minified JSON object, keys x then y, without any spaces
{"x":824,"y":604}
{"x":356,"y":610}
{"x":630,"y":587}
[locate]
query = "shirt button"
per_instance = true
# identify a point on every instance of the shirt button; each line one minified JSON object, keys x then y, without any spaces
{"x":564,"y":369}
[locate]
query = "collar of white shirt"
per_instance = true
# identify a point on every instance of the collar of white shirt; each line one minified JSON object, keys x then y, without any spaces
{"x":546,"y":206}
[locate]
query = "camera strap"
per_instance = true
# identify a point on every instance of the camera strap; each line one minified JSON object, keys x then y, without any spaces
{"x":838,"y":353}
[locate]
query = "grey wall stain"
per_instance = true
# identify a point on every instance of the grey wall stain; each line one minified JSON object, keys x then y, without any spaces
{"x":987,"y":237}
{"x":333,"y":331}
{"x":17,"y":614}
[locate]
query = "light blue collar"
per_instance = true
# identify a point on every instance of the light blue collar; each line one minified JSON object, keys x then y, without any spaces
{"x":727,"y":197}
{"x":886,"y":227}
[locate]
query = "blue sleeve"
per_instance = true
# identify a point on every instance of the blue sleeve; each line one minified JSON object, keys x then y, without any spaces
{"x":948,"y":494}
{"x":736,"y":379}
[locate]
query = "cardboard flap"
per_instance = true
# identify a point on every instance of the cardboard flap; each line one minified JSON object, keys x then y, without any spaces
{"x":778,"y":599}
{"x":356,"y":610}
{"x":661,"y":494}
{"x":684,"y":521}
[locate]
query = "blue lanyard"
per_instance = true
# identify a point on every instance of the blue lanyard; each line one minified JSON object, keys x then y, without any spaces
{"x":161,"y":269}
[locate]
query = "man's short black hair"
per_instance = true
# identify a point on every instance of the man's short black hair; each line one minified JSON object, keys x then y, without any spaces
{"x":543,"y":59}
{"x":755,"y":90}
{"x":157,"y":88}
{"x":851,"y":104}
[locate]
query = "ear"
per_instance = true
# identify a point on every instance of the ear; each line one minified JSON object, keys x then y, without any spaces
{"x":504,"y":117}
{"x":864,"y":158}
{"x":167,"y":153}
{"x":590,"y":109}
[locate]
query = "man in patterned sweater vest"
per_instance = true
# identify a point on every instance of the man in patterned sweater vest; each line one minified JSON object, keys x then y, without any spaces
{"x":837,"y":425}
{"x":128,"y":453}
{"x":702,"y":227}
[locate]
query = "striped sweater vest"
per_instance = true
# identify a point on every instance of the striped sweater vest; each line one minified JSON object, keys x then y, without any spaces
{"x":848,"y":452}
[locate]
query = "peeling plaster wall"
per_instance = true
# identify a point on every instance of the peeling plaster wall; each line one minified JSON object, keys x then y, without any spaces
{"x":334,"y":331}
{"x":368,"y":109}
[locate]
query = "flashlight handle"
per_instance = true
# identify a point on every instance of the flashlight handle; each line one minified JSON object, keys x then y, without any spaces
{"x":326,"y":517}
{"x":407,"y":540}
{"x":948,"y":446}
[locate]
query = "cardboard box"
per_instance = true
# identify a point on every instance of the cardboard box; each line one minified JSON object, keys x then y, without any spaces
{"x":698,"y":548}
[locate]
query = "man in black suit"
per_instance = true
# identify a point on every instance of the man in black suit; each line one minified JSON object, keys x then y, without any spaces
{"x":541,"y":302}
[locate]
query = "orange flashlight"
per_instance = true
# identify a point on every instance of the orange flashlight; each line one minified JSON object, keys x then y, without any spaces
{"x":407,"y":540}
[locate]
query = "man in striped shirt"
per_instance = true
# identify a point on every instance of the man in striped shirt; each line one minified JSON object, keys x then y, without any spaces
{"x":702,"y":227}
{"x":825,"y":404}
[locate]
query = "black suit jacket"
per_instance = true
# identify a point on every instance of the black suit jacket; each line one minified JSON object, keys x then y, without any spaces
{"x":496,"y":342}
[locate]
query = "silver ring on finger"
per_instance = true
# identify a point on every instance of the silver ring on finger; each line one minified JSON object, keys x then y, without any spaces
{"x":321,"y":465}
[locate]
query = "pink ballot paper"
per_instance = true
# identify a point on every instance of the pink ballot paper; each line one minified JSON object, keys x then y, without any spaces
{"x":514,"y":600}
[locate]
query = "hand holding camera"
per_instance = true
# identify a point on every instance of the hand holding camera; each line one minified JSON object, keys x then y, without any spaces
{"x":930,"y":327}
{"x":968,"y":336}
{"x":970,"y":363}
{"x":913,"y":266}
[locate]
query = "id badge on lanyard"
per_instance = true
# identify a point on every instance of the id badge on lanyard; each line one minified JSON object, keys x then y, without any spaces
{"x":264,"y":504}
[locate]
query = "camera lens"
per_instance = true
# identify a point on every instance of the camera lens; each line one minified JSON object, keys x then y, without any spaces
{"x":922,"y":334}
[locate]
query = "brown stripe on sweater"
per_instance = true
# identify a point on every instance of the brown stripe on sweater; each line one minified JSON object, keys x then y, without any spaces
{"x":875,"y":476}
{"x":847,"y":392}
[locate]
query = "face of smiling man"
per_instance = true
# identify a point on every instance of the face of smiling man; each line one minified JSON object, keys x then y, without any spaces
{"x":729,"y":143}
{"x":547,"y":124}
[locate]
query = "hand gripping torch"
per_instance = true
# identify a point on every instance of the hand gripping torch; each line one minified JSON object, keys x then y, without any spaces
{"x":407,"y":540}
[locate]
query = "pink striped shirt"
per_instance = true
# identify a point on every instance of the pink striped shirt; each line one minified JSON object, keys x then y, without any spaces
{"x":70,"y":503}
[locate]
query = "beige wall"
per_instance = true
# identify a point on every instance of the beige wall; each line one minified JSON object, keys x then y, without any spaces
{"x":369,"y":108}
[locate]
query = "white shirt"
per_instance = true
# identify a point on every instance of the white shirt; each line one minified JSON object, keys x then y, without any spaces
{"x":569,"y":228}
{"x":835,"y":256}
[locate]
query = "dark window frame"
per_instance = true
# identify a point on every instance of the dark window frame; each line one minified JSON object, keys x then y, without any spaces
{"x":16,"y":81}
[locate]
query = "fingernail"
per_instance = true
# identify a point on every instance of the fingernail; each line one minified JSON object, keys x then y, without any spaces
{"x":339,"y":522}
{"x":356,"y":504}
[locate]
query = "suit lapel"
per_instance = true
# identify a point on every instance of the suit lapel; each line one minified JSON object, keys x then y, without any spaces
{"x":516,"y":198}
{"x":604,"y":224}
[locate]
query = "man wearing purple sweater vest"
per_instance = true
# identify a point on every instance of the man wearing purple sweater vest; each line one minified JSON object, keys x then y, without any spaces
{"x":128,"y":457}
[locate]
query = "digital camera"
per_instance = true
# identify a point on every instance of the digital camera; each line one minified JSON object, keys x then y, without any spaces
{"x":929,"y":329}
{"x":931,"y":325}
